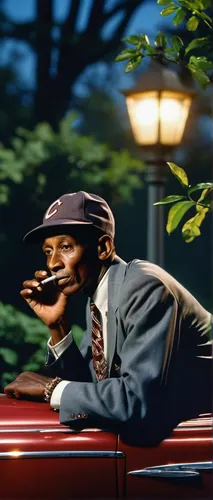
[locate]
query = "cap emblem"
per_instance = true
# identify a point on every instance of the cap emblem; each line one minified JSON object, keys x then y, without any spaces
{"x":50,"y":212}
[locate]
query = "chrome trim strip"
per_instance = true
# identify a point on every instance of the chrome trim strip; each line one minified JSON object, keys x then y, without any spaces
{"x":73,"y":431}
{"x":201,"y":428}
{"x":16,"y":454}
{"x":184,"y":470}
{"x":47,"y":429}
{"x":205,"y":466}
{"x":42,"y":430}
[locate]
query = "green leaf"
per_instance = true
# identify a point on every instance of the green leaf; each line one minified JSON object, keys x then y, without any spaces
{"x":161,"y":40}
{"x":179,"y":173}
{"x":204,"y":63}
{"x":204,"y":199}
{"x":170,"y":199}
{"x":7,"y":155}
{"x":44,"y":132}
{"x":179,"y":16}
{"x":201,"y":63}
{"x":132,"y":39}
{"x":168,"y":10}
{"x":133,"y":64}
{"x":191,"y":228}
{"x":197,"y":43}
{"x":176,"y":213}
{"x":9,"y":356}
{"x":206,"y":19}
{"x":202,"y":185}
{"x":164,"y":2}
{"x":199,"y":76}
{"x":140,"y":41}
{"x":192,"y":23}
{"x":126,"y":54}
{"x":144,"y":39}
{"x":199,"y":218}
{"x":151,"y":50}
{"x":4,"y":194}
{"x":176,"y":43}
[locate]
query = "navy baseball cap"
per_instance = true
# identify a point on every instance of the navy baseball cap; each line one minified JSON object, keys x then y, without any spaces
{"x":79,"y":208}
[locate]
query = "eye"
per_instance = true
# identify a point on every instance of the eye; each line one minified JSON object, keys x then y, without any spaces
{"x":47,"y":251}
{"x":66,"y":247}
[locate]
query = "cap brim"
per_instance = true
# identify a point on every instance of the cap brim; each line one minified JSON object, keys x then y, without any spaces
{"x":52,"y":228}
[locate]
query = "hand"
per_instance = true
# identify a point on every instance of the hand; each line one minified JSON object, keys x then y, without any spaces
{"x":48,"y":302}
{"x":27,"y":385}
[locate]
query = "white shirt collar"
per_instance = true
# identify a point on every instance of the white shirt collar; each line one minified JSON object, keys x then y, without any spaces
{"x":100,"y":297}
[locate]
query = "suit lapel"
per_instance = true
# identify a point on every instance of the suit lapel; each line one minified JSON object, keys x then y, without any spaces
{"x":116,"y":277}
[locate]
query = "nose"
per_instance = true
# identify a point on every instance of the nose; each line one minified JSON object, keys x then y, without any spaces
{"x":55,"y":263}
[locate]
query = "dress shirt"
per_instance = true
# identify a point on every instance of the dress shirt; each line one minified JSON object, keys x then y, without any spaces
{"x":100,"y":299}
{"x":61,"y":346}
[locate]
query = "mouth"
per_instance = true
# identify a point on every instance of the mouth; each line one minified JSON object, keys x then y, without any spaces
{"x":64,"y":280}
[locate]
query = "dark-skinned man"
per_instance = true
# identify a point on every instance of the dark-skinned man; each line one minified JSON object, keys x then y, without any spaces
{"x":144,"y":363}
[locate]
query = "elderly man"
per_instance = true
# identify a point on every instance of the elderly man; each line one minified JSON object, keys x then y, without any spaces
{"x":145,"y":359}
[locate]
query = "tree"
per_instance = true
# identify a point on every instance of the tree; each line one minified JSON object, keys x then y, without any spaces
{"x":200,"y":67}
{"x":73,"y":49}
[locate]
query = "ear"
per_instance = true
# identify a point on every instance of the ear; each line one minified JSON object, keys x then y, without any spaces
{"x":105,"y":247}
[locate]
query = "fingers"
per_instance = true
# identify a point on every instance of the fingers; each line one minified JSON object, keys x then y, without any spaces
{"x":8,"y":392}
{"x":35,"y":283}
{"x":11,"y":391}
{"x":26,"y":293}
{"x":40,"y":275}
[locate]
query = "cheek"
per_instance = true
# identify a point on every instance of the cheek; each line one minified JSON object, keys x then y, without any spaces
{"x":76,"y":268}
{"x":81,"y":273}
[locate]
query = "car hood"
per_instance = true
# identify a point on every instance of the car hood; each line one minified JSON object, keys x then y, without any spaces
{"x":20,"y":413}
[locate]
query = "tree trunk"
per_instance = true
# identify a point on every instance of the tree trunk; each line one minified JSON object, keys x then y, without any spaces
{"x":76,"y":50}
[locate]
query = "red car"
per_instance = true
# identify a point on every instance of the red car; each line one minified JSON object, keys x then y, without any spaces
{"x":41,"y":459}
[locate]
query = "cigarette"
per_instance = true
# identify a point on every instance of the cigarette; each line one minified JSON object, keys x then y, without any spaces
{"x":48,"y":280}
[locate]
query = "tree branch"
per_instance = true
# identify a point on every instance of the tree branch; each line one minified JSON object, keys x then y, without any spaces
{"x":43,"y":46}
{"x":104,"y":49}
{"x":118,"y":8}
{"x":96,"y":18}
{"x":69,"y":24}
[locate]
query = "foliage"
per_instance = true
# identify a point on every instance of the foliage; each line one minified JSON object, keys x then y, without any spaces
{"x":23,"y":342}
{"x":174,"y":50}
{"x":200,"y":67}
{"x":182,"y":203}
{"x":87,"y":162}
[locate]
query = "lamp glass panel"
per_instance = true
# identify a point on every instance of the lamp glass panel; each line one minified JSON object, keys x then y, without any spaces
{"x":174,"y":110}
{"x":143,"y":110}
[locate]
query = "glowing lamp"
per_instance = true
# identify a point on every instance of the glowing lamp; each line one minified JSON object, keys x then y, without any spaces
{"x":158,"y":107}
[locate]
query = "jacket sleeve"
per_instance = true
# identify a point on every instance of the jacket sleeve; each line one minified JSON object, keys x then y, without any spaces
{"x":147,"y":313}
{"x":73,"y":364}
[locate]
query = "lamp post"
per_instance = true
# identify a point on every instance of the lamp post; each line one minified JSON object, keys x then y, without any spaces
{"x":158,"y":108}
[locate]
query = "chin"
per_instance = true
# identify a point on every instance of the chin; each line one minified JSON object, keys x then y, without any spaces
{"x":71,"y":289}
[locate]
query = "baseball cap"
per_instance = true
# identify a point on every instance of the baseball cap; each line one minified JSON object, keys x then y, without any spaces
{"x":79,"y":208}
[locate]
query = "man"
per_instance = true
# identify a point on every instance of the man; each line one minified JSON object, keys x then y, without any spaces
{"x":145,"y":359}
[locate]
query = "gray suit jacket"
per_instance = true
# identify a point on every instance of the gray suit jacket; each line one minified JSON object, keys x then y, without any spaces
{"x":159,"y":356}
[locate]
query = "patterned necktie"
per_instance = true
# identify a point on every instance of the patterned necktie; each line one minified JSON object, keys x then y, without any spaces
{"x":99,"y":361}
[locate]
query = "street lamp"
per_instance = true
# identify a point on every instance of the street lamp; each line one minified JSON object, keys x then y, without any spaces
{"x":158,"y":108}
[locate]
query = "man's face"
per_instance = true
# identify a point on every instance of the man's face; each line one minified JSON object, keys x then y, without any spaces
{"x":74,"y":263}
